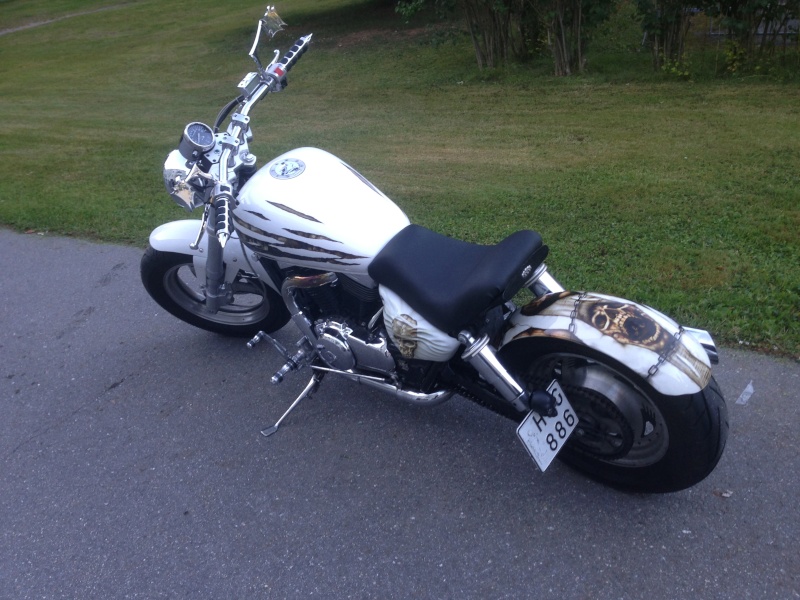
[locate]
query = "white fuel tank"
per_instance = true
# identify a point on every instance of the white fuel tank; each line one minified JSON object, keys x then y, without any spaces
{"x":311,"y":209}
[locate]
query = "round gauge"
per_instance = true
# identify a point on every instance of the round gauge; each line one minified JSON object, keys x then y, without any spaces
{"x":197,"y":138}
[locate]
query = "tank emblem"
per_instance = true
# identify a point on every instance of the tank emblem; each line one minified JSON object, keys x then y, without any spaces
{"x":288,"y":168}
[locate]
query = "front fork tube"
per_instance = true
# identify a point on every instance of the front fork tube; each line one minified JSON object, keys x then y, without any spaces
{"x":216,"y":290}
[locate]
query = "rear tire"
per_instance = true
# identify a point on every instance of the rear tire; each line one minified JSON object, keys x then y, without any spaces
{"x":629,"y":435}
{"x":171,"y":281}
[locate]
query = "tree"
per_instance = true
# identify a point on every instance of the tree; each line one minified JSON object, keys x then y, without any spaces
{"x":505,"y":29}
{"x":569,"y":24}
{"x":497,"y":27}
{"x":493,"y":28}
{"x":756,"y":29}
{"x":666,"y":24}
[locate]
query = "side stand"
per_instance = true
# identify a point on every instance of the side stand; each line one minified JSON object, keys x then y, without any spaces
{"x":312,"y":386}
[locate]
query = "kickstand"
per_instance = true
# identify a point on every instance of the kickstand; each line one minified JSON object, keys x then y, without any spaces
{"x":313,"y":384}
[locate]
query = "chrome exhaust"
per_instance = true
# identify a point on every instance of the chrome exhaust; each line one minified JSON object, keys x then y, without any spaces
{"x":418,"y":398}
{"x":303,"y":283}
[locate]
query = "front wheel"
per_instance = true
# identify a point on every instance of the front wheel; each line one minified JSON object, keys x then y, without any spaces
{"x":629,"y":435}
{"x":171,"y":281}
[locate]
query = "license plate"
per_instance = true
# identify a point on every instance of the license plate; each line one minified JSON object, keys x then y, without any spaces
{"x":544,"y":437}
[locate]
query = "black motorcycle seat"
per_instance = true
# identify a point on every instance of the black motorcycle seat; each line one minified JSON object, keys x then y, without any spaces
{"x":450,"y":282}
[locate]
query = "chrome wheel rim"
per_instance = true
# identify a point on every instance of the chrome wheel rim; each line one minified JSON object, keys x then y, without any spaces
{"x":248,"y":304}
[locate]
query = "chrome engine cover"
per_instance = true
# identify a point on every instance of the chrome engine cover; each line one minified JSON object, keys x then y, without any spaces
{"x":343,"y":351}
{"x":332,"y":345}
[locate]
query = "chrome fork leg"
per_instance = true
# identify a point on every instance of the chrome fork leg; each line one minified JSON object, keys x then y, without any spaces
{"x":312,"y":386}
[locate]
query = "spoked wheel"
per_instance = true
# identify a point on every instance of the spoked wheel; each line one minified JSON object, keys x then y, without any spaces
{"x":628,"y":434}
{"x":171,"y":280}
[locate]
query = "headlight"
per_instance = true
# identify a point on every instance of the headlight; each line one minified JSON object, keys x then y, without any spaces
{"x":184,"y":192}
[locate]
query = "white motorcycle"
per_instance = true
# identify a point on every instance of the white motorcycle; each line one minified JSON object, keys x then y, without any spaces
{"x":615,"y":389}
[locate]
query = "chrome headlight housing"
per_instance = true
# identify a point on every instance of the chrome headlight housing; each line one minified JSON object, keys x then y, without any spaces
{"x":181,"y":182}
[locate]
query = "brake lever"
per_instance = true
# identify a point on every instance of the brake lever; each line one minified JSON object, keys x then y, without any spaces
{"x":196,"y":172}
{"x":196,"y":244}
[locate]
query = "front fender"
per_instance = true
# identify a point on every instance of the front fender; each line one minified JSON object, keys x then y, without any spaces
{"x":177,"y":235}
{"x":644,"y":340}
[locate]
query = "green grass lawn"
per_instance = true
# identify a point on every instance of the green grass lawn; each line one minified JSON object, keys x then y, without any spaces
{"x":684,"y":195}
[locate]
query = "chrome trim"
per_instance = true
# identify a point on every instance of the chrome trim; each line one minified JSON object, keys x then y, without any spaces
{"x":372,"y":355}
{"x":418,"y":398}
{"x":540,"y":270}
{"x":543,"y":283}
{"x":300,"y":282}
{"x":480,"y":355}
{"x":374,"y":320}
{"x":706,"y":341}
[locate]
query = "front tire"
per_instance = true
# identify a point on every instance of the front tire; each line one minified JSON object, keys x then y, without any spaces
{"x":170,"y":279}
{"x":629,"y":435}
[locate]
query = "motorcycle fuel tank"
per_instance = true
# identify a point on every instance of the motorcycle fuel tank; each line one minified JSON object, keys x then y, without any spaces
{"x":311,"y":209}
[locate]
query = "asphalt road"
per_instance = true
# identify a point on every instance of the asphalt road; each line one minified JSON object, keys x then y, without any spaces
{"x":132,"y":467}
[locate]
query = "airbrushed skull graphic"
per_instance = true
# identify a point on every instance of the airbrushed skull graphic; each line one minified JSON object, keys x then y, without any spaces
{"x":405,"y":334}
{"x":626,"y":323}
{"x":623,"y":321}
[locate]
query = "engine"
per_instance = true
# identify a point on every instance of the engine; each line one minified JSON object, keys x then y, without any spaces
{"x":344,"y":343}
{"x":345,"y":326}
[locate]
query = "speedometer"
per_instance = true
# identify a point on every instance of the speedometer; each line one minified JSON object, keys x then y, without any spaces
{"x":197,"y":139}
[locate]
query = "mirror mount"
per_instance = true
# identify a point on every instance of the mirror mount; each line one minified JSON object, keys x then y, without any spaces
{"x":269,"y":25}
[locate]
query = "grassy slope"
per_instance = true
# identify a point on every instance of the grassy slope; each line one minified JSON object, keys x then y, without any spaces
{"x":681,"y":195}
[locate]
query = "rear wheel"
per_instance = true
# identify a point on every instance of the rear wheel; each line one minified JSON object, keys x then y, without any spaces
{"x":171,"y":280}
{"x":629,"y":435}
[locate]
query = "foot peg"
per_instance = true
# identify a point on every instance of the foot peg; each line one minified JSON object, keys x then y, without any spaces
{"x":292,"y":363}
{"x":299,"y":359}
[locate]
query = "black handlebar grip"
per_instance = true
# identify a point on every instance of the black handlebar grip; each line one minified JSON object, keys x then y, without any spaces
{"x":295,"y":52}
{"x":223,"y":222}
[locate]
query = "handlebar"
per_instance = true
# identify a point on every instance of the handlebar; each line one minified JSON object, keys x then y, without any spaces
{"x":228,"y":154}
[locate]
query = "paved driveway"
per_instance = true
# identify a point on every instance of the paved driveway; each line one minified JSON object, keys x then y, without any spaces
{"x":131,"y":467}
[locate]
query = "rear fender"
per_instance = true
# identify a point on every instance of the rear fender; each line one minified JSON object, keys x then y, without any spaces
{"x":646,"y":341}
{"x":178,"y":235}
